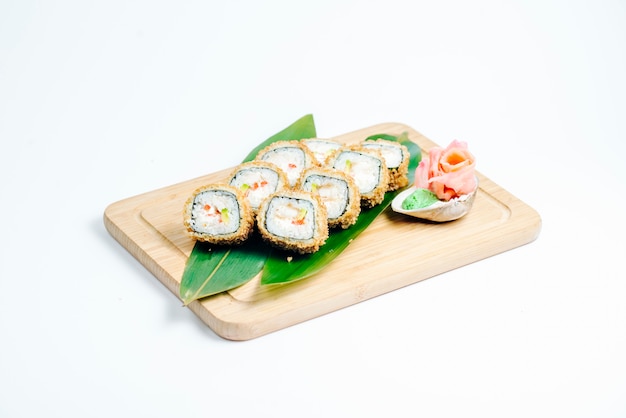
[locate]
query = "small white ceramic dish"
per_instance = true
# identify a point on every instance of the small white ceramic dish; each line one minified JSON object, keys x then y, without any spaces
{"x":439,"y":211}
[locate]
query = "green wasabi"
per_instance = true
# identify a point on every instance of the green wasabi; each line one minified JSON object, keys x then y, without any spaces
{"x":420,"y":198}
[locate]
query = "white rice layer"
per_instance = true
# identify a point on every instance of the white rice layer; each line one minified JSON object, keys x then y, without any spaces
{"x":321,"y":148}
{"x":257,"y":183}
{"x":364,"y":169}
{"x":215,"y":212}
{"x":391,"y":154}
{"x":332,"y":191}
{"x":291,"y":218}
{"x":289,"y":159}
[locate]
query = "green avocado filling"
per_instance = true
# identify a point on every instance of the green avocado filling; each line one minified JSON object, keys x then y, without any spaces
{"x":420,"y":198}
{"x":224,"y":213}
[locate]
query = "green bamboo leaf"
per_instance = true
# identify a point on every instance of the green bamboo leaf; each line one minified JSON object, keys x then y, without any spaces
{"x":387,"y":137}
{"x":212,"y":269}
{"x":284,"y":267}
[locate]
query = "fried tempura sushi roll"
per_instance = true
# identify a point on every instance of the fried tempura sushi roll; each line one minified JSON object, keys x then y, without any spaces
{"x":338,"y":192}
{"x":290,"y":156}
{"x":368,"y":169}
{"x":396,"y":157}
{"x":218,"y":214}
{"x":257,"y":180}
{"x":321,"y":147}
{"x":293,"y":220}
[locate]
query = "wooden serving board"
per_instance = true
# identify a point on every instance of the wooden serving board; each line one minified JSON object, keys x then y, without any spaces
{"x":395,"y":251}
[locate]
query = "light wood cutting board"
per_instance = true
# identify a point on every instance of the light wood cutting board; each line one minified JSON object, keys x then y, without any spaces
{"x":395,"y":251}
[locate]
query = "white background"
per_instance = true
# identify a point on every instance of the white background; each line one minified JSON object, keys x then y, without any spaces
{"x":100,"y":101}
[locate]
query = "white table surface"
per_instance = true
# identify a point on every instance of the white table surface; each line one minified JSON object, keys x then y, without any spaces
{"x":100,"y":101}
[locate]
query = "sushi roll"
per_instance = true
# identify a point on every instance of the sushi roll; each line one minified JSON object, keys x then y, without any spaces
{"x":290,"y":156}
{"x":368,"y":169}
{"x":257,"y":180}
{"x":321,"y":147}
{"x":218,"y":214}
{"x":293,"y":220}
{"x":338,"y":192}
{"x":396,"y":157}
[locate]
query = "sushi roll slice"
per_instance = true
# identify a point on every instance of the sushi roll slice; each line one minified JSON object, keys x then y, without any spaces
{"x":218,"y":214}
{"x":396,"y":157}
{"x":290,"y":156}
{"x":257,"y":180}
{"x":368,"y":169}
{"x":338,"y":192}
{"x":321,"y":147}
{"x":293,"y":220}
